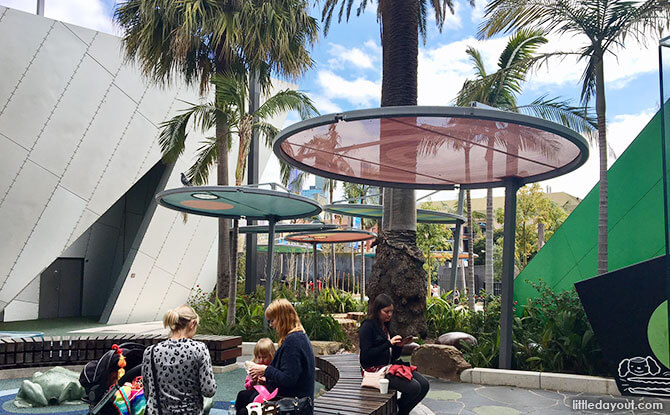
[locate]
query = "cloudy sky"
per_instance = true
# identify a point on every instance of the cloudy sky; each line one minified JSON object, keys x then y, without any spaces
{"x":347,"y":71}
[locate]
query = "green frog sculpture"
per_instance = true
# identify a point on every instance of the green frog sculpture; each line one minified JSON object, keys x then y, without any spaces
{"x":57,"y":386}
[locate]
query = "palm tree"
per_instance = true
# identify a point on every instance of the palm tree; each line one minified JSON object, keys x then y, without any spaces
{"x":398,"y":269}
{"x":605,"y":24}
{"x":197,"y":39}
{"x":230,"y":106}
{"x":500,"y":89}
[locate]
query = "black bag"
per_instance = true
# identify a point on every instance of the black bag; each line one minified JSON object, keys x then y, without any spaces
{"x":295,"y":406}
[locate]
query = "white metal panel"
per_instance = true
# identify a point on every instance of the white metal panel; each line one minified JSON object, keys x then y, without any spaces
{"x":69,"y":122}
{"x":131,"y":81}
{"x":159,"y":227}
{"x":12,"y":156}
{"x":176,"y":295}
{"x":21,"y":310}
{"x":15,"y":57}
{"x":46,"y":242}
{"x":151,"y":296}
{"x":156,"y":103}
{"x":86,"y":219}
{"x":85,"y":35}
{"x":132,"y":287}
{"x":207,"y":278}
{"x":96,"y":149}
{"x":42,"y":87}
{"x":31,"y":293}
{"x":21,"y":210}
{"x":176,"y":244}
{"x":197,"y":251}
{"x":107,"y":51}
{"x":124,"y":165}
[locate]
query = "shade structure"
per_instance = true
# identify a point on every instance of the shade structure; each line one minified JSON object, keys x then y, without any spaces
{"x":331,"y":237}
{"x":431,"y":147}
{"x":252,"y":202}
{"x":289,"y":227}
{"x":238,"y":201}
{"x":376,"y":212}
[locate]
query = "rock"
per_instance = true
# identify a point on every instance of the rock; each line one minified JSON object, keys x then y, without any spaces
{"x":440,"y":361}
{"x":346,"y":322}
{"x":325,"y":347}
{"x":54,"y":387}
{"x":454,"y":338}
{"x":409,"y":348}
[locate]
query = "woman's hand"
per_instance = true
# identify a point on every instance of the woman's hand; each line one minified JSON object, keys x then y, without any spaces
{"x":395,"y":341}
{"x":257,"y":371}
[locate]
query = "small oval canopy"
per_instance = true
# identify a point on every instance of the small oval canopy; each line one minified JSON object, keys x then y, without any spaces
{"x":331,"y":237}
{"x":431,"y":147}
{"x":238,"y":201}
{"x":286,"y":249}
{"x":376,"y":212}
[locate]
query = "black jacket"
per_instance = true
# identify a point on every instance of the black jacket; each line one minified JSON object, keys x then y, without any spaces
{"x":292,"y":368}
{"x":375,"y":345}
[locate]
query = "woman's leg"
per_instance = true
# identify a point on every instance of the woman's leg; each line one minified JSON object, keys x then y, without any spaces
{"x":425,"y":386}
{"x":411,"y":391}
{"x":244,"y":398}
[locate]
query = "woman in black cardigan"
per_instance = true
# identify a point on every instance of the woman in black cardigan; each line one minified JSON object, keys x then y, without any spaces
{"x":379,"y":349}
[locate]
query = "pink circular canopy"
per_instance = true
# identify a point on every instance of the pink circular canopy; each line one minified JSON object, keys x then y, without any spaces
{"x":431,"y":147}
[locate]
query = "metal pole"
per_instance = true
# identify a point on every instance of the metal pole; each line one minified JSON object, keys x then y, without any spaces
{"x":251,"y":280}
{"x":314,"y":274}
{"x":268,"y":278}
{"x":40,"y":7}
{"x":362,"y":270}
{"x":457,"y":240}
{"x":507,"y":295}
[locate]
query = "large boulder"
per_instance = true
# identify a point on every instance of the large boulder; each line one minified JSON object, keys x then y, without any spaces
{"x":326,"y":347}
{"x":454,"y":338}
{"x":440,"y":361}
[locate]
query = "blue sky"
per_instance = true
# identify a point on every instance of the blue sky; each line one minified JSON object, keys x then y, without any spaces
{"x":347,"y":71}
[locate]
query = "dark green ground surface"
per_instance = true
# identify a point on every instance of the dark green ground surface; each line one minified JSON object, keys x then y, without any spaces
{"x":52,"y":327}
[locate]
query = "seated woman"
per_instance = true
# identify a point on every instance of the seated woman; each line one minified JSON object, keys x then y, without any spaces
{"x":379,"y":349}
{"x":292,"y":369}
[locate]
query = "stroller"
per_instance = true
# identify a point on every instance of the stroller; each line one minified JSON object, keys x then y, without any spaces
{"x":113,"y":382}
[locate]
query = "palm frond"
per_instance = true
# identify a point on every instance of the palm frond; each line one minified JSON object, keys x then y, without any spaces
{"x":580,"y":119}
{"x":266,"y":131}
{"x":287,"y":100}
{"x":206,"y":156}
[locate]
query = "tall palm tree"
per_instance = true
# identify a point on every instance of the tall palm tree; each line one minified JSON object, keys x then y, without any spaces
{"x":230,"y":106}
{"x":605,"y":24}
{"x":500,"y":89}
{"x":196,"y":39}
{"x":398,"y":269}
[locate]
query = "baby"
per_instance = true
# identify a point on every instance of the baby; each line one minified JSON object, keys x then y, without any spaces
{"x":263,"y":353}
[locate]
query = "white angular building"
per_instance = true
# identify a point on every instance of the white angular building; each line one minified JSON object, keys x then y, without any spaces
{"x":79,"y":167}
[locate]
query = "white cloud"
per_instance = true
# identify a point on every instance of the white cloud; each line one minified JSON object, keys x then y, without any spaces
{"x":478,"y":11}
{"x":91,"y":14}
{"x":360,"y":92}
{"x":357,"y":57}
{"x":323,"y":104}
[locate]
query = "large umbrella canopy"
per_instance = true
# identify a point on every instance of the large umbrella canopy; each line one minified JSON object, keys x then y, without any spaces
{"x":376,"y":212}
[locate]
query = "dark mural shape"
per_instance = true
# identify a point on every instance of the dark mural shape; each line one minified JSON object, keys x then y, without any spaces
{"x":625,"y":309}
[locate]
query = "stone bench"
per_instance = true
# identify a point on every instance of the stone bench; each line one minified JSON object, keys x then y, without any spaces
{"x":341,"y":375}
{"x":78,"y":350}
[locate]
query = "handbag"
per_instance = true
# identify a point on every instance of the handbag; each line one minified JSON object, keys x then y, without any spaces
{"x":293,"y":406}
{"x":371,"y":379}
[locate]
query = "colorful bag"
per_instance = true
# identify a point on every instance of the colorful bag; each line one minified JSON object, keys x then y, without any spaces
{"x":129,"y":398}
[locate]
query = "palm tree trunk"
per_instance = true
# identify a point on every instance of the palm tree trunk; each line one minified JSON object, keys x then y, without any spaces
{"x":470,"y":275}
{"x":398,"y":268}
{"x":488,"y":255}
{"x":602,"y":150}
{"x":223,"y":264}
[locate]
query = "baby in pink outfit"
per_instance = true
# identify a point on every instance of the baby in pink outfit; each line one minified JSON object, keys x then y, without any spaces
{"x":264,"y":351}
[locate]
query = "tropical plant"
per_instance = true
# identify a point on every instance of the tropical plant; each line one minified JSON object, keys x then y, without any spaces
{"x":196,"y":39}
{"x":605,"y":25}
{"x":398,"y":269}
{"x":229,"y":107}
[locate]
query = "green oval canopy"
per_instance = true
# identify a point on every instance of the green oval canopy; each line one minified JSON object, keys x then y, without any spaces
{"x":238,"y":201}
{"x":286,"y":249}
{"x":289,"y":227}
{"x":331,"y":237}
{"x":376,"y":211}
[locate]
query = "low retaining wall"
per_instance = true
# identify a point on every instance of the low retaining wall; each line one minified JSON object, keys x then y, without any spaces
{"x":541,"y":380}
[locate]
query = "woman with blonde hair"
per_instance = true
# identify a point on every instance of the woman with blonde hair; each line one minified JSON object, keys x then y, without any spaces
{"x":292,"y":368}
{"x":177,"y":373}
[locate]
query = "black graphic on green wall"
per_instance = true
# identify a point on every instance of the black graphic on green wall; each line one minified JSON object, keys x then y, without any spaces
{"x":628,"y":311}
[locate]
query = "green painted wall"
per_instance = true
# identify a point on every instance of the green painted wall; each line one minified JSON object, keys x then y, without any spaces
{"x":635,"y":221}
